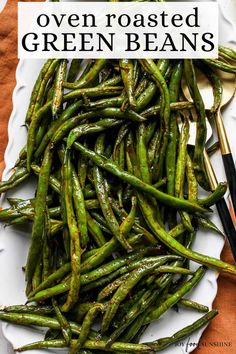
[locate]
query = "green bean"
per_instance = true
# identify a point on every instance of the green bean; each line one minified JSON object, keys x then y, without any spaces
{"x":39,"y":88}
{"x":102,"y":227}
{"x":95,"y":231}
{"x":142,"y":304}
{"x":75,"y":121}
{"x":152,"y":126}
{"x":173,"y":269}
{"x":214,"y":196}
{"x":201,"y":124}
{"x":102,"y":195}
{"x":220,"y":65}
{"x":192,"y":305}
{"x":105,"y":251}
{"x":34,"y":309}
{"x":90,"y":344}
{"x":28,"y":212}
{"x":156,"y":75}
{"x":80,"y":210}
{"x":68,"y":113}
{"x":56,"y":226}
{"x":99,"y":218}
{"x":52,"y":278}
{"x":109,"y":166}
{"x":46,"y":249}
{"x":88,"y":77}
{"x":180,"y":249}
{"x":65,"y":326}
{"x":62,"y":198}
{"x":53,"y":182}
{"x":126,"y":268}
{"x":110,"y":288}
{"x":102,"y":253}
{"x":54,"y":212}
{"x":136,"y":227}
{"x":142,"y":85}
{"x":82,"y":168}
{"x":216,"y":86}
{"x":162,"y":343}
{"x":113,"y":265}
{"x":37,"y":277}
{"x":73,"y":70}
{"x":187,"y":221}
{"x":180,"y":171}
{"x":174,"y":106}
{"x":93,"y":92}
{"x":141,"y":153}
{"x":87,"y":66}
{"x":137,"y":324}
{"x":97,"y":274}
{"x":86,"y":326}
{"x":170,"y":301}
{"x":20,"y":220}
{"x":105,"y":103}
{"x":162,"y":283}
{"x":181,"y":159}
{"x":138,"y":308}
{"x":89,"y":191}
{"x":172,"y":144}
{"x":21,"y":161}
{"x":19,"y":175}
{"x":90,"y":128}
{"x":153,"y":147}
{"x":27,"y":319}
{"x":117,"y":113}
{"x":160,"y":183}
{"x":229,"y":52}
{"x":208,"y":224}
{"x":75,"y":254}
{"x":191,"y":179}
{"x":9,"y":213}
{"x":91,"y":204}
{"x":58,"y":87}
{"x":120,"y":160}
{"x":115,"y":80}
{"x":145,"y":98}
{"x":126,"y":306}
{"x":46,"y":108}
{"x":99,"y":283}
{"x":80,"y":310}
{"x":18,"y":203}
{"x":124,"y":289}
{"x":39,"y":219}
{"x":42,"y":129}
{"x":128,"y":223}
{"x":127,"y":74}
{"x":55,"y":290}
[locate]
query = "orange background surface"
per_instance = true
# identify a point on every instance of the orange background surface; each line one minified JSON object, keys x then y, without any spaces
{"x":220,"y":336}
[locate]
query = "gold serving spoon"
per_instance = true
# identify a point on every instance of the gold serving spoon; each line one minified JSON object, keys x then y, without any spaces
{"x":228,"y":87}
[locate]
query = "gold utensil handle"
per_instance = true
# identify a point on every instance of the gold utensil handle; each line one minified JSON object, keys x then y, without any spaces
{"x":210,"y":172}
{"x":224,"y":143}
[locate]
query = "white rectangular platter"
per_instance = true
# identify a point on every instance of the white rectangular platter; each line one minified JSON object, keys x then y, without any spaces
{"x":14,"y":242}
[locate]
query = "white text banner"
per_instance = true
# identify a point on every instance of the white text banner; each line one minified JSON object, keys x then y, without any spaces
{"x":117,"y":30}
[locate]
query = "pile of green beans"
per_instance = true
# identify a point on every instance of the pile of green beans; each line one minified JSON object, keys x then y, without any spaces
{"x":117,"y":204}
